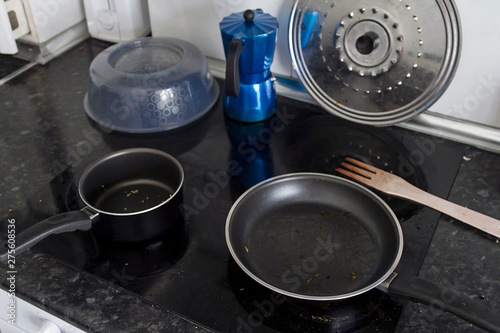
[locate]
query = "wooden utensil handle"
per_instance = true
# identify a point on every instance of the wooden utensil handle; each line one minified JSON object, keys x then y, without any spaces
{"x":466,"y":215}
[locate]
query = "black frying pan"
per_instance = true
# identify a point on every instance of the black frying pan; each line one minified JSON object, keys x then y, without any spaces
{"x":320,"y":237}
{"x":131,"y":195}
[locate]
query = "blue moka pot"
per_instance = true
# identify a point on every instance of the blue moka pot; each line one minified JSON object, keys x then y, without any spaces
{"x":249,"y":40}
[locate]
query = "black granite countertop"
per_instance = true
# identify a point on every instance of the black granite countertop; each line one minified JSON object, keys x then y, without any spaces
{"x":461,"y":257}
{"x":44,"y":129}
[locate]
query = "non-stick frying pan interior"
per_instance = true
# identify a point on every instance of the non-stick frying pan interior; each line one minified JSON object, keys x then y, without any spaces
{"x":314,"y":236}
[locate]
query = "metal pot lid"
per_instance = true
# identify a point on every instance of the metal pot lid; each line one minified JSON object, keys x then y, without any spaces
{"x":380,"y":63}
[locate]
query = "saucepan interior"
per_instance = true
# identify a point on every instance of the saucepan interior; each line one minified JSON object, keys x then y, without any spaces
{"x":138,"y":193}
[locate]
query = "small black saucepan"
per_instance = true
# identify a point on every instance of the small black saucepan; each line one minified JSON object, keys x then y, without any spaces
{"x":323,"y":238}
{"x":131,"y":195}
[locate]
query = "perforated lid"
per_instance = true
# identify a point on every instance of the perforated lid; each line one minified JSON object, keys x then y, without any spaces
{"x":379,"y":63}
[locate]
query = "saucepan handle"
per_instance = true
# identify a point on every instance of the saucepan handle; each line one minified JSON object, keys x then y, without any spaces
{"x":65,"y":222}
{"x":447,"y":299}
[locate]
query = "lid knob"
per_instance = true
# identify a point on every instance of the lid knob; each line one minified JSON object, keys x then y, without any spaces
{"x":249,"y":15}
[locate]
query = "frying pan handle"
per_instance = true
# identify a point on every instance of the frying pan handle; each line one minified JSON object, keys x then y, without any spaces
{"x":447,"y":299}
{"x":65,"y":222}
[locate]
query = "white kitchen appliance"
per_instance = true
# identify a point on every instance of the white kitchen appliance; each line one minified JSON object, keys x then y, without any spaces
{"x":39,"y":30}
{"x":467,"y":111}
{"x":117,"y":20}
{"x":20,"y":317}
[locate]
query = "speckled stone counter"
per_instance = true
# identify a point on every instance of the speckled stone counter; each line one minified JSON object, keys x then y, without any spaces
{"x":44,"y":129}
{"x":461,"y":257}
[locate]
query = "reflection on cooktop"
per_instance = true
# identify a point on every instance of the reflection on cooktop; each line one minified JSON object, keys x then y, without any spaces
{"x":127,"y":264}
{"x":324,"y":143}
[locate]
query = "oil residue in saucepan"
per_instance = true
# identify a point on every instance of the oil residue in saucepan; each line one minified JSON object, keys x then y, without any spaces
{"x":313,"y":250}
{"x":130,"y":196}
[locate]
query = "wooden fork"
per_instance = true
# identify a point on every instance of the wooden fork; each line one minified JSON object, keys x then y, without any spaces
{"x":398,"y":187}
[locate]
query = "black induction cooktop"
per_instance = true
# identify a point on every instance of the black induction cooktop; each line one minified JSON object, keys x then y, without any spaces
{"x":189,"y":269}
